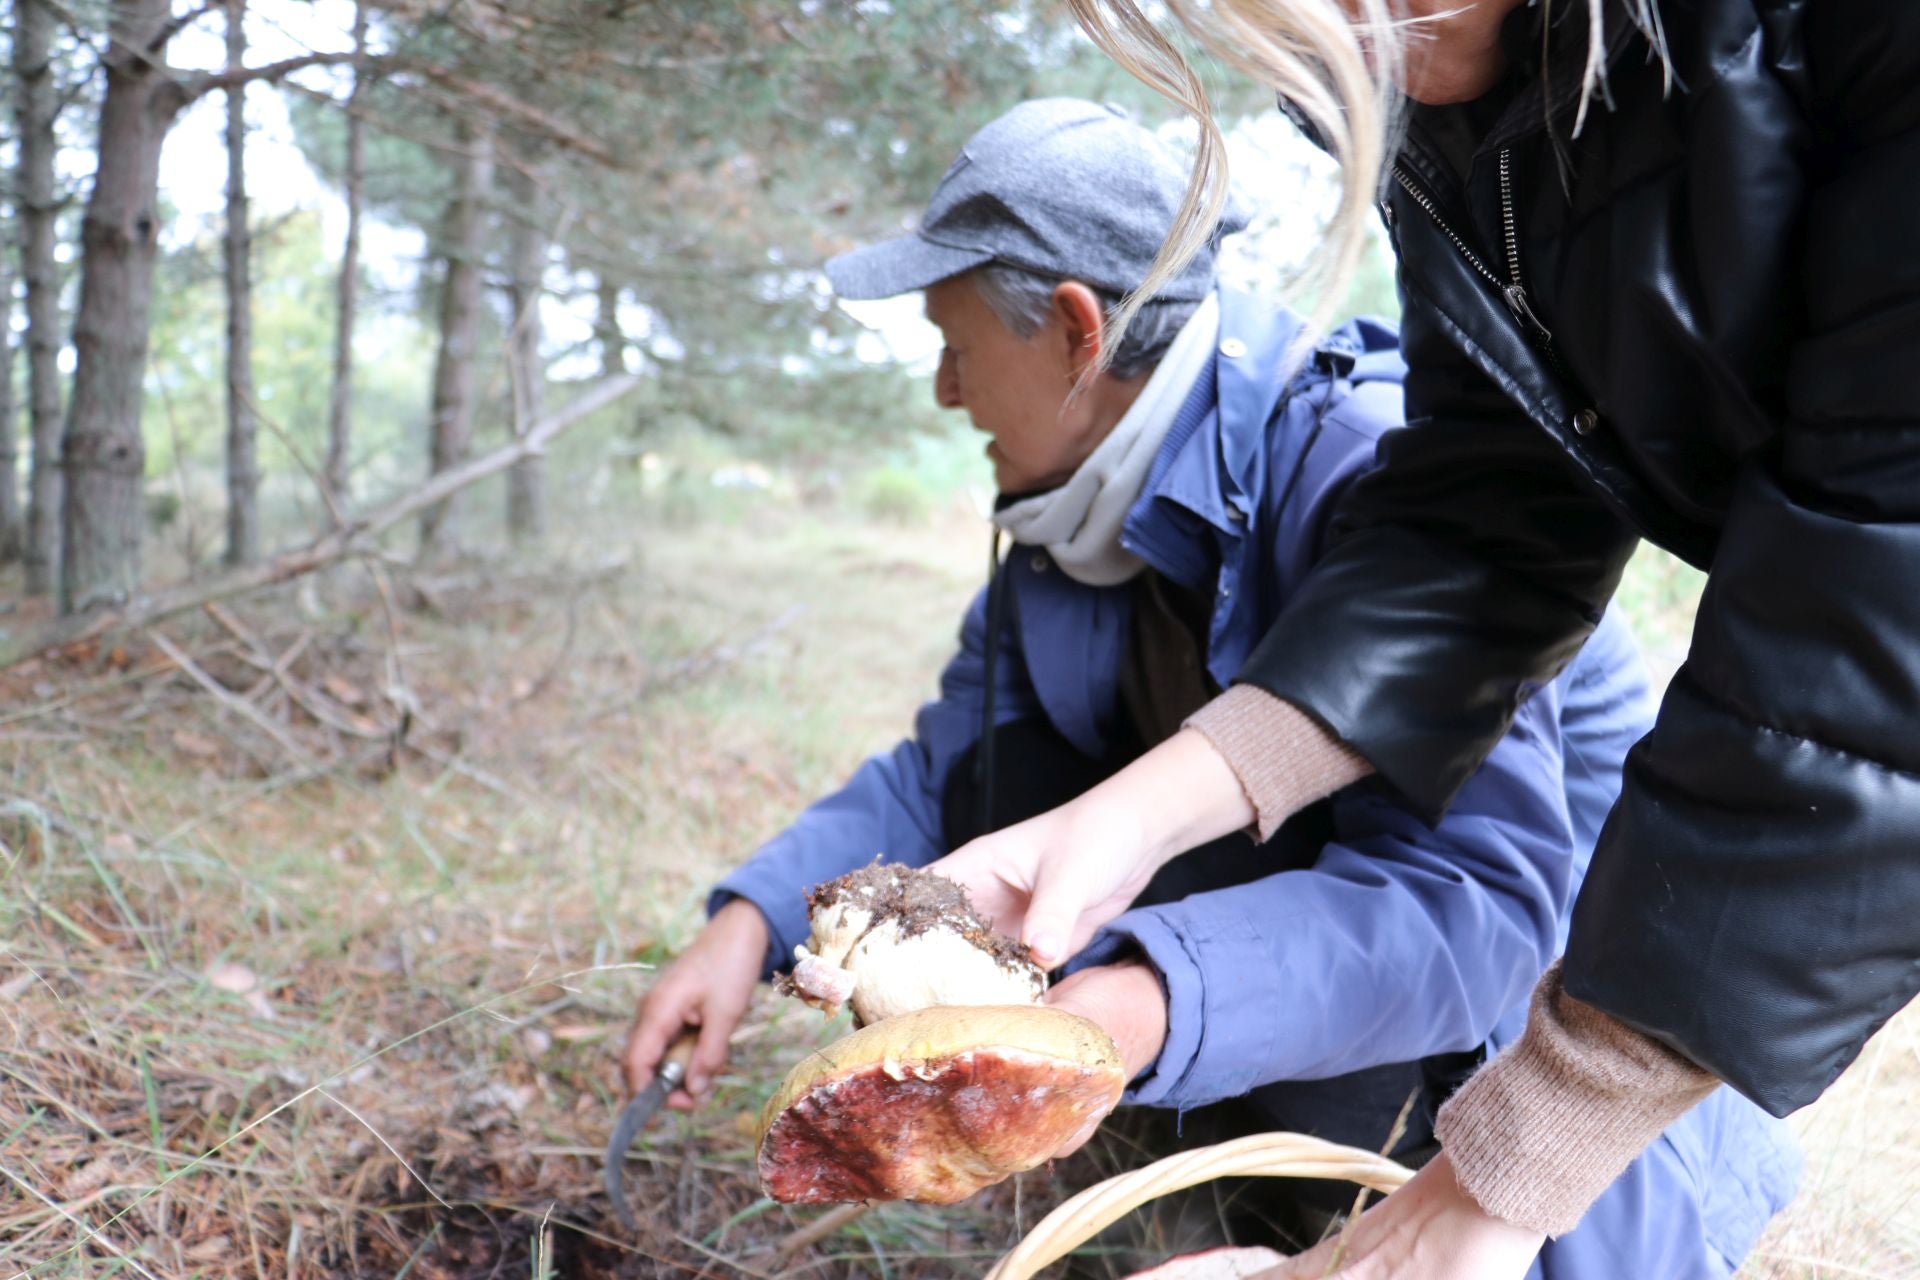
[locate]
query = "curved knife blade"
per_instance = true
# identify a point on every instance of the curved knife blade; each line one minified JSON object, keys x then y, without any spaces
{"x":633,"y":1118}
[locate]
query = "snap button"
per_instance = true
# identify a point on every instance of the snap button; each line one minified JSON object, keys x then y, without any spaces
{"x":1233,"y":348}
{"x":1585,"y":421}
{"x":1236,"y":515}
{"x":1039,"y":562}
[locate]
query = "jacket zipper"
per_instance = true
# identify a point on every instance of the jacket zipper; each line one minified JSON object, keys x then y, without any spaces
{"x":1516,"y":292}
{"x":1512,"y":289}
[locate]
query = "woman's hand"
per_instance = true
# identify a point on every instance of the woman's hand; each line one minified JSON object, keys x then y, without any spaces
{"x":1127,"y":1001}
{"x":1052,"y":880}
{"x":708,"y":986}
{"x":1429,"y":1229}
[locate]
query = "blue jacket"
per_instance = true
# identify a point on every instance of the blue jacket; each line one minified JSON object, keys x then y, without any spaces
{"x":1402,"y":940}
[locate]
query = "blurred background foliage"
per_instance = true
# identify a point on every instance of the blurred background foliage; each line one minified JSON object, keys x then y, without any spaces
{"x":687,"y":168}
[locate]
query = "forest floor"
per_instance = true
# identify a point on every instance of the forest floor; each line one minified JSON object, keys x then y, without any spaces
{"x":323,"y":917}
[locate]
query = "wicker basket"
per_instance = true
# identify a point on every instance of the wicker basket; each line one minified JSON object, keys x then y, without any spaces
{"x":1270,"y":1155}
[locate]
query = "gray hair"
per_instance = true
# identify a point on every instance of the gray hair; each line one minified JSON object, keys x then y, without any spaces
{"x":1022,"y":300}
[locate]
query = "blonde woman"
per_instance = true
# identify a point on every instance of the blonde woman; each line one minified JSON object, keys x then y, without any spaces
{"x":1660,"y":280}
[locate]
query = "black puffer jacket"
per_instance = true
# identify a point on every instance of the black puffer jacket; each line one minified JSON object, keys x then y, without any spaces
{"x":1730,"y":275}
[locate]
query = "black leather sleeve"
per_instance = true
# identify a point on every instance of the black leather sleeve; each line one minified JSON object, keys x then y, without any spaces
{"x":1463,"y":572}
{"x":1755,"y":899}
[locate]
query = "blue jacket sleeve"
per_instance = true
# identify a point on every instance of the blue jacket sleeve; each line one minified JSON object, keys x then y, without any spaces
{"x":890,"y":806}
{"x":1400,"y":942}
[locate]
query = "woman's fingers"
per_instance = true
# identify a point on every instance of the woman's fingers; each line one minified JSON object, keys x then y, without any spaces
{"x":662,"y":1012}
{"x":1054,"y":909}
{"x":708,"y":986}
{"x":1430,"y":1229}
{"x":1226,"y":1262}
{"x":997,"y":872}
{"x":1052,"y":880}
{"x":1311,"y":1265}
{"x":720,"y":1014}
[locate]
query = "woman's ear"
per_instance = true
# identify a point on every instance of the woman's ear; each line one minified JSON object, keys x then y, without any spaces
{"x":1082,"y":322}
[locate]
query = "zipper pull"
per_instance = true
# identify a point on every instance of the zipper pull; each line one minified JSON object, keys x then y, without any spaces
{"x":1523,"y":312}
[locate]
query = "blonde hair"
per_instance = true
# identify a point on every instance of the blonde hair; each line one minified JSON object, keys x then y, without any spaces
{"x":1337,"y":63}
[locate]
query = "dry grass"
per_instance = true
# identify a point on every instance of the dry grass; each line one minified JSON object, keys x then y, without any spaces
{"x":283,"y":997}
{"x":1858,"y":1212}
{"x":280,"y":998}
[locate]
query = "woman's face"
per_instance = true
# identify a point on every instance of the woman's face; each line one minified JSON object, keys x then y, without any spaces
{"x":1015,"y":389}
{"x":1453,"y":48}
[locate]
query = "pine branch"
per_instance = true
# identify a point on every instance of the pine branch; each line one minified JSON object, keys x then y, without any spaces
{"x":503,"y":103}
{"x":198,"y":86}
{"x":176,"y":24}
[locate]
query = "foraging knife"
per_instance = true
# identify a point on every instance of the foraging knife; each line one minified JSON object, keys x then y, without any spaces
{"x":634,"y":1116}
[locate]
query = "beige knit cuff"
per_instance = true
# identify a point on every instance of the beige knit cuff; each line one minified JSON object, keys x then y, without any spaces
{"x":1548,"y":1125}
{"x":1283,"y":758}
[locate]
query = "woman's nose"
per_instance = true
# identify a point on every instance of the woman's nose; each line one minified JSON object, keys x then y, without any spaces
{"x":946,"y":382}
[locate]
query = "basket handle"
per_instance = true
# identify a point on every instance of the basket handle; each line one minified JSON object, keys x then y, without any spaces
{"x":1269,"y":1155}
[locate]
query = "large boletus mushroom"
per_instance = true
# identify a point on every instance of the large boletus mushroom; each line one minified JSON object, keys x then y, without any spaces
{"x":934,"y":1105}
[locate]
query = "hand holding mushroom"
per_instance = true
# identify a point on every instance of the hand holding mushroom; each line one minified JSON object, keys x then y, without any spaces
{"x":958,"y":1077}
{"x":1051,"y":881}
{"x":1127,"y":1000}
{"x":890,"y":940}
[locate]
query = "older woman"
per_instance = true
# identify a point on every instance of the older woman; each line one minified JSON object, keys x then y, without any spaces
{"x":1660,"y":281}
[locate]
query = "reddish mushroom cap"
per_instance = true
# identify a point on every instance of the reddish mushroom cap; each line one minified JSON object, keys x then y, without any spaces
{"x":936,"y":1104}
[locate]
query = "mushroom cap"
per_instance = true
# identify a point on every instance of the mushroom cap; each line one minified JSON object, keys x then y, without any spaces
{"x":936,"y":1104}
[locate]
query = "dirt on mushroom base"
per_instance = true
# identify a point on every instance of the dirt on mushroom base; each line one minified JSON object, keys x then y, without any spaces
{"x":888,"y":940}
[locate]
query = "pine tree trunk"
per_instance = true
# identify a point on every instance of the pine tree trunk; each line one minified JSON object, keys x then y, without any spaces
{"x":243,"y":468}
{"x":35,"y":108}
{"x":337,"y":471}
{"x":9,"y":442}
{"x":606,"y":327}
{"x":102,"y":454}
{"x":463,"y":243}
{"x":527,"y":262}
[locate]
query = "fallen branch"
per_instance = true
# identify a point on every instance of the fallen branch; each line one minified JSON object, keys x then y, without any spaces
{"x":354,"y":538}
{"x":311,"y":700}
{"x":231,"y":700}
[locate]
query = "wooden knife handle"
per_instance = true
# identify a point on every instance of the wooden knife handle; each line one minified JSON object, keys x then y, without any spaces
{"x":673,"y":1063}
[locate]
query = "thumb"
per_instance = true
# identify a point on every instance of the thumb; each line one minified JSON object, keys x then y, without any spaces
{"x":1052,"y":911}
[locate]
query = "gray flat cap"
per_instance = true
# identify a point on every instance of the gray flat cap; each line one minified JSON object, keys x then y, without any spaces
{"x":1061,"y":187}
